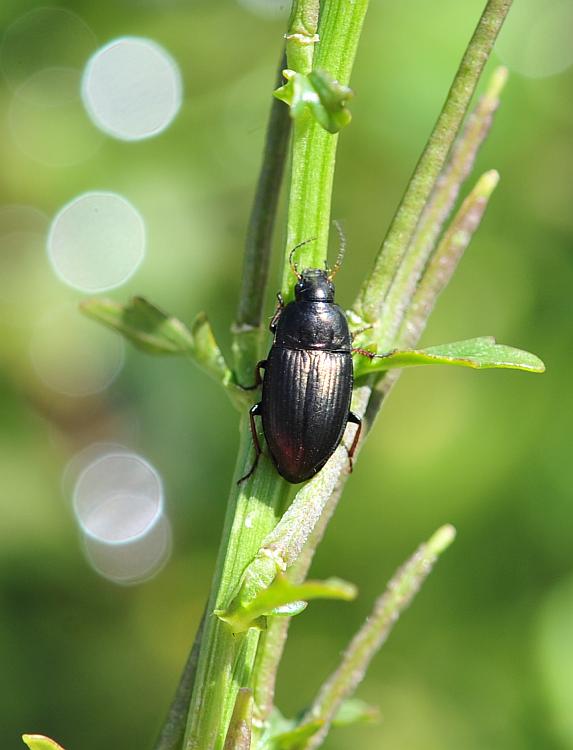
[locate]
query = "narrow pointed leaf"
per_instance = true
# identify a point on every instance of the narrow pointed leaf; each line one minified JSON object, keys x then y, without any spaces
{"x":144,"y":324}
{"x":398,"y":595}
{"x":479,"y":353}
{"x":355,"y":711}
{"x":281,"y":593}
{"x":294,"y":738}
{"x":39,"y":742}
{"x":155,"y":332}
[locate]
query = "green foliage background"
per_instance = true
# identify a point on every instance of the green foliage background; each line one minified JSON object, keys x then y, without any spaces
{"x":485,"y":658}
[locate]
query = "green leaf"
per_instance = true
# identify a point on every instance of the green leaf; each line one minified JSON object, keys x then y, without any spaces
{"x":154,"y":331}
{"x":39,"y":742}
{"x":318,"y":93}
{"x":145,"y":325}
{"x":480,"y":353}
{"x":288,"y":734}
{"x":281,"y":594}
{"x":294,"y":738}
{"x":355,"y":711}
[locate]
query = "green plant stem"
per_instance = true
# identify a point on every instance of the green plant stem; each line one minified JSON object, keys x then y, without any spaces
{"x":378,"y":626}
{"x":247,"y":329}
{"x":434,"y":280}
{"x":225,"y":660}
{"x":314,"y":149}
{"x":431,"y":163}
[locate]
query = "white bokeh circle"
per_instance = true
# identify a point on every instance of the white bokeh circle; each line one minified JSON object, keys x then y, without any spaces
{"x":132,"y":89}
{"x":96,"y":242}
{"x":132,"y":562}
{"x":118,"y":498}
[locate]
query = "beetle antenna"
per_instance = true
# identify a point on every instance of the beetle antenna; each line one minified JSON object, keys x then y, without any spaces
{"x":341,"y":250}
{"x":294,"y":266}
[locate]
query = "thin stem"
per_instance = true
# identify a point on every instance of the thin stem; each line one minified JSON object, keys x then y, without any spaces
{"x":258,"y":244}
{"x":274,"y":638}
{"x":225,"y":660}
{"x":314,"y":149}
{"x":378,"y":626}
{"x":433,"y":158}
{"x":302,"y":35}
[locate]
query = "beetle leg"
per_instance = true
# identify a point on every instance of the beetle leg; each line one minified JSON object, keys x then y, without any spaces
{"x":355,"y":419}
{"x":253,"y":411}
{"x":358,"y":331}
{"x":258,"y":379}
{"x":367,"y":353}
{"x":277,"y":314}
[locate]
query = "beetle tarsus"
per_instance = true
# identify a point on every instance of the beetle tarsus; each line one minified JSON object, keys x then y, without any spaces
{"x":369,"y":354}
{"x":258,"y":379}
{"x":355,"y":419}
{"x":364,"y":352}
{"x":254,"y":411}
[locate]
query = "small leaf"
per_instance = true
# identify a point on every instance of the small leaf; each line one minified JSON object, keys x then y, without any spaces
{"x":294,"y":738}
{"x":280,"y":594}
{"x":39,"y":742}
{"x":145,"y":325}
{"x":355,"y":711}
{"x":480,"y":353}
{"x":318,"y":93}
{"x":289,"y":734}
{"x":154,"y":331}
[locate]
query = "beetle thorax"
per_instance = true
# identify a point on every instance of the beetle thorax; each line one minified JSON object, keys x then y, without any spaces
{"x":314,"y":285}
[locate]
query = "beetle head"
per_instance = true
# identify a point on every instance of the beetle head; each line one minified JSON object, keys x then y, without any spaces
{"x":314,"y":285}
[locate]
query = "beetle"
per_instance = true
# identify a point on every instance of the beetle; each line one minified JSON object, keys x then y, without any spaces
{"x":308,"y":379}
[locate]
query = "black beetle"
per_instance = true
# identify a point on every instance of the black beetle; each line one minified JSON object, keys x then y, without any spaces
{"x":307,"y":385}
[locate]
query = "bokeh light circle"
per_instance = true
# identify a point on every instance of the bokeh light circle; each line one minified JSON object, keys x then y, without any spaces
{"x":536,"y":39}
{"x":96,"y":242}
{"x":133,"y":562}
{"x":44,"y":38}
{"x":118,"y":498}
{"x":72,"y":356}
{"x":132,"y":88}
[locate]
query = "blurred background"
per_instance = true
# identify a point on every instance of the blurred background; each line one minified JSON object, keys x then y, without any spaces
{"x":98,"y":606}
